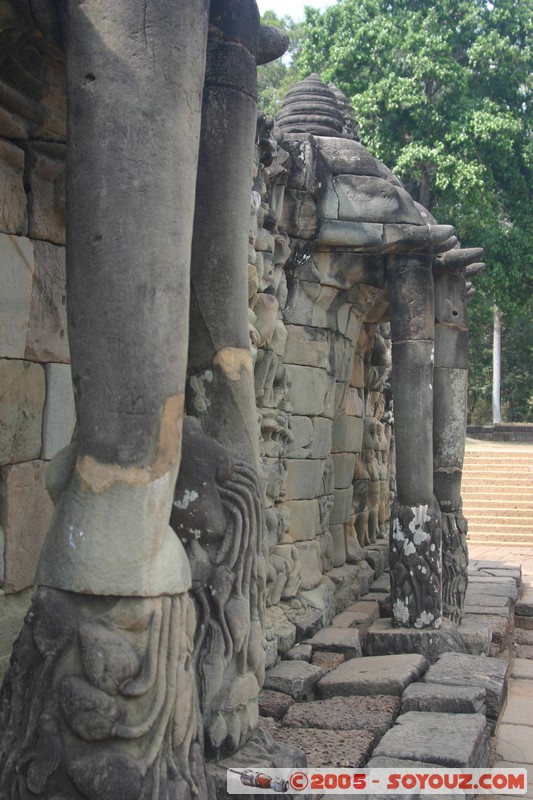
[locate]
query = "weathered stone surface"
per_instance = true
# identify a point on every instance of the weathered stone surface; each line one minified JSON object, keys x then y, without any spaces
{"x":302,"y":436}
{"x":515,"y":744}
{"x":13,"y":608}
{"x":375,"y":559}
{"x":47,"y":332}
{"x":447,"y":699}
{"x":307,"y":346}
{"x":312,"y":437}
{"x":328,"y":748}
{"x":348,"y":619}
{"x":342,"y":507}
{"x":327,"y":661}
{"x":270,"y":648}
{"x":311,"y":564}
{"x":274,"y":704}
{"x":523,"y":636}
{"x":322,"y":598}
{"x":370,"y":607}
{"x":284,"y":630}
{"x":493,"y":610}
{"x":460,"y":669}
{"x":415,"y":563}
{"x":524,"y":606}
{"x":525,"y":623}
{"x":365,"y":236}
{"x":22,"y":395}
{"x":312,"y":391}
{"x":519,"y":707}
{"x":522,"y":668}
{"x":304,"y":478}
{"x":338,"y":537}
{"x":373,"y":675}
{"x":16,"y":273}
{"x":493,"y":588}
{"x":312,"y":304}
{"x":476,"y":636}
{"x":299,"y":214}
{"x":501,"y":626}
{"x":479,"y":599}
{"x":25,"y":513}
{"x":262,"y":751}
{"x":59,"y":416}
{"x":343,"y":465}
{"x":381,"y":584}
{"x":462,"y":739}
{"x":384,"y":639}
{"x":374,"y":714}
{"x":13,"y":217}
{"x":45,"y":178}
{"x":305,"y":519}
{"x":524,"y":651}
{"x":306,"y":622}
{"x":368,"y":199}
{"x":300,"y":652}
{"x":338,"y":640}
{"x":296,"y":678}
{"x":449,"y":418}
{"x":349,"y":581}
{"x":502,"y":572}
{"x":451,"y":349}
{"x":347,"y":436}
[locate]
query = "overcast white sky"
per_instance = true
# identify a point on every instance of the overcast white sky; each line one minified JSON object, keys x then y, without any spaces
{"x":291,"y":8}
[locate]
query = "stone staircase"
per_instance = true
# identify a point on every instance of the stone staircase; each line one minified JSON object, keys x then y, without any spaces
{"x":497,"y":491}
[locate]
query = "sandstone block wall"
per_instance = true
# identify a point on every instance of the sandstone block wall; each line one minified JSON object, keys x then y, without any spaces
{"x":36,"y":399}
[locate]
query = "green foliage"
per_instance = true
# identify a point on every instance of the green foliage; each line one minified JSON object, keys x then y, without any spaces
{"x":442,"y":94}
{"x":275,"y":79}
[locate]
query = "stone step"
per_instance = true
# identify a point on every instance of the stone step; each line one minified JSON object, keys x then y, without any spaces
{"x":495,"y":539}
{"x":480,"y":479}
{"x":501,"y":525}
{"x":496,"y":495}
{"x":490,"y":502}
{"x":479,"y":539}
{"x":519,"y":516}
{"x":492,"y":455}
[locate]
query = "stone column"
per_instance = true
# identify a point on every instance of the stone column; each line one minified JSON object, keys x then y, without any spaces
{"x":134,"y":98}
{"x":218,"y":507}
{"x":100,"y":699}
{"x":450,"y":405}
{"x":221,"y":384}
{"x":415,"y":519}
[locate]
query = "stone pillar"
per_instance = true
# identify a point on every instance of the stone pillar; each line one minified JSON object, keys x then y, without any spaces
{"x":133,"y":135}
{"x":227,"y":551}
{"x":450,"y":405}
{"x":415,"y":519}
{"x":221,"y":384}
{"x":100,"y":699}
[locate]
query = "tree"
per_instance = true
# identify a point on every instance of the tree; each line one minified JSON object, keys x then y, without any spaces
{"x":441,"y":91}
{"x":275,"y":79}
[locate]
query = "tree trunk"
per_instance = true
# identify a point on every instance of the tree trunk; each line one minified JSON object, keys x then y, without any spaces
{"x":497,"y":367}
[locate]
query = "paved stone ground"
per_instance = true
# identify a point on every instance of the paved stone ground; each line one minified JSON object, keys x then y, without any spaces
{"x":514,"y":734}
{"x":482,"y":684}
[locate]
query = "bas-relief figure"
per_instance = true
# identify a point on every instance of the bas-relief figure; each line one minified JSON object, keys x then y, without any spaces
{"x":286,"y":463}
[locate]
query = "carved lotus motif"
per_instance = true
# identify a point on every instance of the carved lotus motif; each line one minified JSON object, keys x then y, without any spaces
{"x":108,"y":658}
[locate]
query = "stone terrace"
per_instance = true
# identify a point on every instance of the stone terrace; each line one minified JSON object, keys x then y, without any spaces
{"x":344,"y":706}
